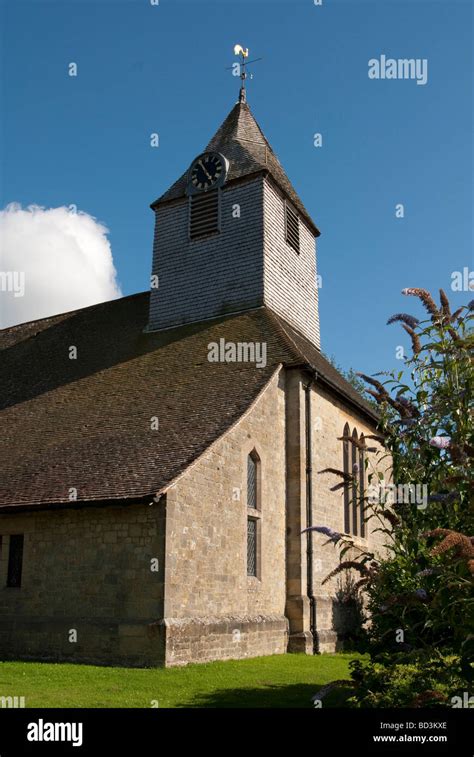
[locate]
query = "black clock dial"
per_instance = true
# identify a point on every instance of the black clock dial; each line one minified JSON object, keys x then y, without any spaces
{"x":206,"y":171}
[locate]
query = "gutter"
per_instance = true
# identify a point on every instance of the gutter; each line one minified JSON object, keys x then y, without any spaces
{"x":79,"y":504}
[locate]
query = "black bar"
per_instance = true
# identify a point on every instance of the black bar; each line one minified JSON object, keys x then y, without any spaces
{"x":148,"y":731}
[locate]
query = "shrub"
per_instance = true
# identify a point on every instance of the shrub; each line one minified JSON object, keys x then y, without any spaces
{"x":420,"y":593}
{"x":419,"y":679}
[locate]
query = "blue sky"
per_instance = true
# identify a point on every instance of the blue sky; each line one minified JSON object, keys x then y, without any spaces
{"x":144,"y":69}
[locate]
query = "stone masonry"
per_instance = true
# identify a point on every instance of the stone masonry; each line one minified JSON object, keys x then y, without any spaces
{"x":89,"y":568}
{"x":212,"y":609}
{"x":86,"y":570}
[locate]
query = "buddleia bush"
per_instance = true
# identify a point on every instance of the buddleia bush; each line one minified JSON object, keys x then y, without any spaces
{"x":425,"y":586}
{"x":419,"y":595}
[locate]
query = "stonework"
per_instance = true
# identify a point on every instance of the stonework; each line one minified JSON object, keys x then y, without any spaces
{"x":329,"y":418}
{"x":87,"y":570}
{"x":206,"y":522}
{"x":228,"y":638}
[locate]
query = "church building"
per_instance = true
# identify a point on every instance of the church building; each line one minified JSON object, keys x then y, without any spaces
{"x":161,"y":454}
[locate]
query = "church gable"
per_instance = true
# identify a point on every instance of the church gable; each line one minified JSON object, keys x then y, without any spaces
{"x":227,"y":587}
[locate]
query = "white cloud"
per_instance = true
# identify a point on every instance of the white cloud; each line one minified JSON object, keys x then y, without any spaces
{"x":61,"y":259}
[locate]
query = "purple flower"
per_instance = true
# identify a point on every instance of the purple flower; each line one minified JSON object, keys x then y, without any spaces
{"x":333,"y":535}
{"x":425,"y":298}
{"x":443,"y":497}
{"x":426,"y":572}
{"x":410,"y":320}
{"x":406,"y":421}
{"x":440,"y":442}
{"x":421,"y":594}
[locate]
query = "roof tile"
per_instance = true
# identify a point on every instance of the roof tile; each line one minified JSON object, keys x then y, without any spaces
{"x":86,"y":423}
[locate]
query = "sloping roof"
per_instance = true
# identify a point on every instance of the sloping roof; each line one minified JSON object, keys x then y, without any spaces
{"x":85,"y":423}
{"x":244,"y":144}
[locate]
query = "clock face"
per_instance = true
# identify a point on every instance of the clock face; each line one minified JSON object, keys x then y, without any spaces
{"x":208,"y":171}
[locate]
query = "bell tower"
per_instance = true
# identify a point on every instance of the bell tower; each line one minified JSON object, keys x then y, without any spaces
{"x":231,"y":234}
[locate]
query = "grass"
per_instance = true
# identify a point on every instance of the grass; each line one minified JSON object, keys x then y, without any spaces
{"x":276,"y":681}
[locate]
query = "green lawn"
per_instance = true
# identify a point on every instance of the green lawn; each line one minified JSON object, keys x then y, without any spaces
{"x":277,"y":681}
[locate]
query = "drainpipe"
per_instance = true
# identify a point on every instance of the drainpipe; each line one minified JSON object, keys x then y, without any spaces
{"x":309,"y":516}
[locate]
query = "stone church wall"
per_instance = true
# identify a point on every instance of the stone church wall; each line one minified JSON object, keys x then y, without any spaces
{"x":328,"y":419}
{"x":87,"y":569}
{"x":213,"y":610}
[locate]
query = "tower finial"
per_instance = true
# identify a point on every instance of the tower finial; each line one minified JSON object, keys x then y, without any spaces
{"x":242,"y":68}
{"x":244,"y":53}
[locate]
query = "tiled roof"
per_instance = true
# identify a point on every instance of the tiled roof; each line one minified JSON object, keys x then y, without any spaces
{"x":243,"y":143}
{"x":86,"y":423}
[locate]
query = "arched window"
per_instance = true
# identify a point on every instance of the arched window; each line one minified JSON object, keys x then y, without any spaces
{"x":252,"y":480}
{"x":353,"y":460}
{"x":253,"y":514}
{"x":347,"y":497}
{"x":362,"y":486}
{"x":354,"y":472}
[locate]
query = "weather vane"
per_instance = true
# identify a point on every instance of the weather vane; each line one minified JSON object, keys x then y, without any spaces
{"x":240,"y":69}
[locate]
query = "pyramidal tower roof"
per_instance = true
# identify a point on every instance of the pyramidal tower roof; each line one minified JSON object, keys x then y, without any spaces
{"x":244,"y":144}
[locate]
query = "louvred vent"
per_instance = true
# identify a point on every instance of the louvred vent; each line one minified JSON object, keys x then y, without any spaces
{"x":204,"y":214}
{"x":292,"y":228}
